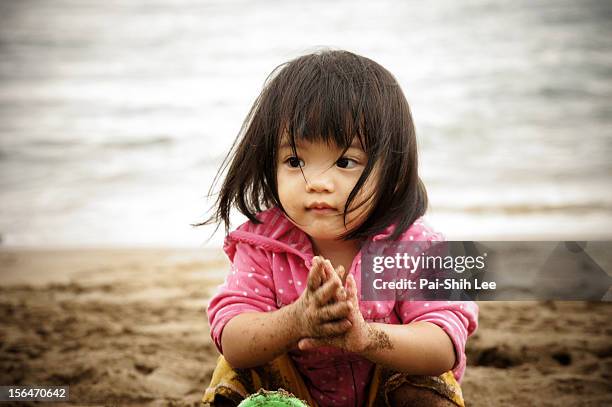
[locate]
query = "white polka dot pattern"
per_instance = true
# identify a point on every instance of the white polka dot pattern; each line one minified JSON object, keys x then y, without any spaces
{"x":267,"y":273}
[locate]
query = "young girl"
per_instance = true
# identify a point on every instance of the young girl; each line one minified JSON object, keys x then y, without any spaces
{"x":327,"y":161}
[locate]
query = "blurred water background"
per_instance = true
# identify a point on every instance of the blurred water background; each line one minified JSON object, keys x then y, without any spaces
{"x":114,"y":115}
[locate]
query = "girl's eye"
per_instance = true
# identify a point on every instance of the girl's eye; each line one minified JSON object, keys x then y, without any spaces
{"x":295,"y":162}
{"x":346,"y":163}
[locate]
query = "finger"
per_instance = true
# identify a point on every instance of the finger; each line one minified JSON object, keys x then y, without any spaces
{"x":310,"y":343}
{"x":352,"y":290}
{"x":327,"y":291}
{"x":329,"y":269}
{"x":340,"y":294}
{"x":332,"y":273}
{"x":349,"y":285}
{"x":325,"y":266}
{"x":305,"y":344}
{"x":335,"y":311}
{"x":322,"y":273}
{"x":342,"y":273}
{"x":314,"y":275}
{"x":334,"y":328}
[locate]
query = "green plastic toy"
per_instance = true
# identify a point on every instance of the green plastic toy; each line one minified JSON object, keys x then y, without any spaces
{"x":280,"y":398}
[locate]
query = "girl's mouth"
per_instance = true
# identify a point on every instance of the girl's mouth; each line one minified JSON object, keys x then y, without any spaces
{"x":320,"y":208}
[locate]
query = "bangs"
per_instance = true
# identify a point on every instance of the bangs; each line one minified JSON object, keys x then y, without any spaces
{"x":324,"y":99}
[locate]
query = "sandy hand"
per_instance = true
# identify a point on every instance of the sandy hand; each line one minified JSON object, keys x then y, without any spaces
{"x":322,"y":309}
{"x":355,"y":339}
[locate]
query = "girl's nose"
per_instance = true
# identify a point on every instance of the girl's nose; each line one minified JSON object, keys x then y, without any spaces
{"x":319,"y":183}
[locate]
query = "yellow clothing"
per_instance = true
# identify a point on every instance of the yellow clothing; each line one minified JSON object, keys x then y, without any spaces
{"x":237,"y":384}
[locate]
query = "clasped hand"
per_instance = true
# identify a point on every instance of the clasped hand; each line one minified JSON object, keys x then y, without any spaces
{"x":328,"y":312}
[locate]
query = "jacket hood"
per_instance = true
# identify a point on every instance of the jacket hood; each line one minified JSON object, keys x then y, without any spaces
{"x":277,"y":234}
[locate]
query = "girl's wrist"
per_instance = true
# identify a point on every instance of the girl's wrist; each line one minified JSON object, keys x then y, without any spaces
{"x":366,"y":344}
{"x":377,"y":340}
{"x":290,"y":318}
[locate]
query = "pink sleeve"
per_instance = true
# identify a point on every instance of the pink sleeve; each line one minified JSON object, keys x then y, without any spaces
{"x":247,"y":288}
{"x":459,"y":319}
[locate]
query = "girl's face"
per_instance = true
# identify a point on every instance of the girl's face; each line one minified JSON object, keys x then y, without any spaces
{"x":316,"y":204}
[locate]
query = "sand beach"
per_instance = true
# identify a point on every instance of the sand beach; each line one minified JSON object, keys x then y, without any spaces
{"x":128,"y":327}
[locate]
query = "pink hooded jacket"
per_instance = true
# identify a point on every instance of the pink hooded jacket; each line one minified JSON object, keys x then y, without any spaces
{"x":270,"y":264}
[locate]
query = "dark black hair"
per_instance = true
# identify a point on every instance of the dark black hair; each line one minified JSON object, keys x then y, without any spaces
{"x":331,"y":96}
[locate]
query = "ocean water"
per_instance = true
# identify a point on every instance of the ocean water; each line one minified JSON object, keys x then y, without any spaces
{"x":114,"y":116}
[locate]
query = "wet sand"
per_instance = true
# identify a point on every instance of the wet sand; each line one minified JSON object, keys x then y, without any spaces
{"x":129,"y":327}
